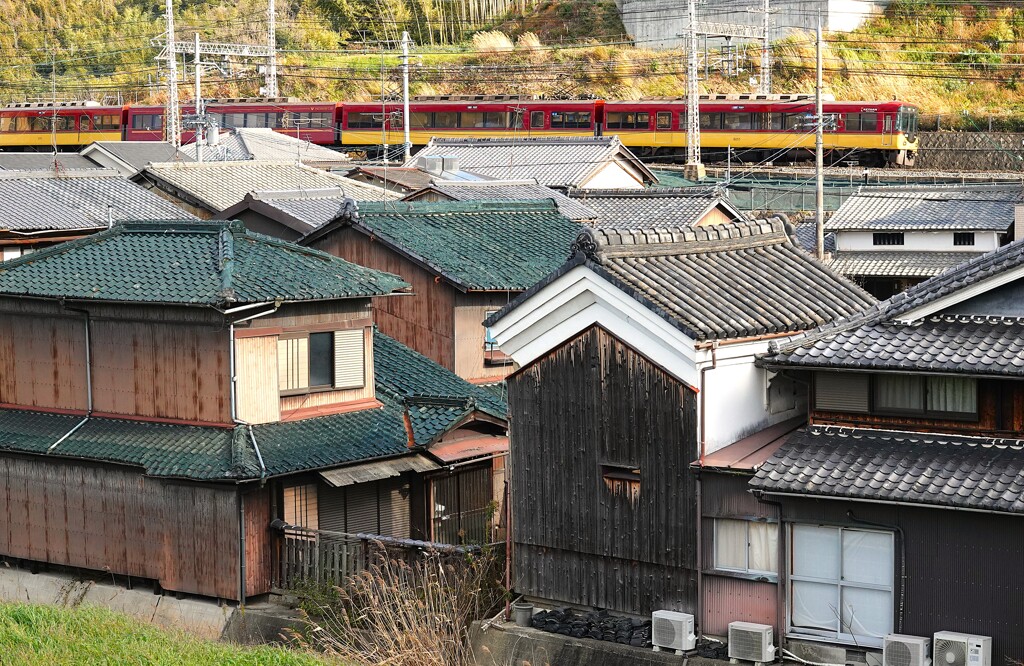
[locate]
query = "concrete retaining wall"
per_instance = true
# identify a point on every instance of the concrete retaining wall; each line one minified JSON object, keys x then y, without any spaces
{"x":971,"y":151}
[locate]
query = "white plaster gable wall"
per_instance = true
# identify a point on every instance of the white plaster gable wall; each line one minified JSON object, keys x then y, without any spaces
{"x":613,"y":176}
{"x":925,"y":241}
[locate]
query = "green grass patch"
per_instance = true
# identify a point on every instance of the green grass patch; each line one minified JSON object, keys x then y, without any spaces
{"x":31,"y":634}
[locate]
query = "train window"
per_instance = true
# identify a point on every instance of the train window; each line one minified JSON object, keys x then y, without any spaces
{"x":233,"y":120}
{"x":786,"y":121}
{"x":358,"y":120}
{"x":711,"y":121}
{"x":256,"y":120}
{"x":106,"y":122}
{"x":664,"y":120}
{"x":570,"y":119}
{"x":65,"y":123}
{"x":446,"y":119}
{"x":140,"y":121}
{"x":321,"y":119}
{"x":862,"y":122}
{"x":420,"y":119}
{"x":736,"y":121}
{"x":515,"y":119}
{"x":5,"y":123}
{"x":620,"y":120}
{"x":537,"y":119}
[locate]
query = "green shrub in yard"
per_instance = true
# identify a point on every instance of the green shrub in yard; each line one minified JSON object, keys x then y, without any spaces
{"x":31,"y":634}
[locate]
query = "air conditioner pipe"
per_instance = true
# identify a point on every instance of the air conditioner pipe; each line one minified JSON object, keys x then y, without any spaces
{"x":792,"y":656}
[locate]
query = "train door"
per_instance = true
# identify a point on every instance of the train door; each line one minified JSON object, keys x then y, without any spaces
{"x":887,"y":127}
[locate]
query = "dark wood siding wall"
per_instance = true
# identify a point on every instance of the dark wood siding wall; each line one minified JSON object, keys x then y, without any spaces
{"x":594,"y":402}
{"x":732,"y":598}
{"x":115,"y":519}
{"x":962,"y":568}
{"x":425,"y":320}
{"x":1000,"y":414}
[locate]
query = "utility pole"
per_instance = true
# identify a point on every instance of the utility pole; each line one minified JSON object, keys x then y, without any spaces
{"x":764,"y":86}
{"x":271,"y":83}
{"x":172,"y":117}
{"x":199,"y":103}
{"x":694,"y":169}
{"x":819,"y":155}
{"x":405,"y":94}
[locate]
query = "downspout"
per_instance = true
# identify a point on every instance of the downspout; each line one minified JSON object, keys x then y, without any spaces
{"x":88,"y":383}
{"x":700,"y":468}
{"x":780,"y":596}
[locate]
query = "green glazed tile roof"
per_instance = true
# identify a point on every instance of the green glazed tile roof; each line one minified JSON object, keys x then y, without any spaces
{"x":485,"y":245}
{"x":435,"y":399}
{"x":210,"y":263}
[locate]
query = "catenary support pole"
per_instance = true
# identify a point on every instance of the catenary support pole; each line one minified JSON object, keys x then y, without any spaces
{"x":819,"y":156}
{"x":405,"y":94}
{"x":172,"y":117}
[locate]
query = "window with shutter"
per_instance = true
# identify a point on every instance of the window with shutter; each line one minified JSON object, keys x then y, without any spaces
{"x":841,"y":392}
{"x":349,"y":359}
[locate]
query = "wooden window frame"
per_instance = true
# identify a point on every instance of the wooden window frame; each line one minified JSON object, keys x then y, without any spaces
{"x":924,"y":412}
{"x":333,"y":330}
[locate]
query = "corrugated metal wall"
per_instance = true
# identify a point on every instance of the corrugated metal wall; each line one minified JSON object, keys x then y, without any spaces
{"x":963,"y":568}
{"x":590,"y":403}
{"x":110,"y":518}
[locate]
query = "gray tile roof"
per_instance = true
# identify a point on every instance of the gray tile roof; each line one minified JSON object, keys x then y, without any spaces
{"x":976,"y":208}
{"x":723,"y":281}
{"x":217,"y":186}
{"x":499,"y":190}
{"x":265,"y":144}
{"x":807,"y":236}
{"x":137,"y":154}
{"x":40,"y":201}
{"x":937,"y":470}
{"x":45,"y":162}
{"x":305,"y":209}
{"x":654,"y":207}
{"x":410,"y":178}
{"x":554,"y":162}
{"x":898,"y":263}
{"x":876,"y":338}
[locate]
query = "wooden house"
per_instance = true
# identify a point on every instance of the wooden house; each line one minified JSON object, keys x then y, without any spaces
{"x":636,"y":359}
{"x":901,"y":501}
{"x":465,"y":260}
{"x":168,"y":390}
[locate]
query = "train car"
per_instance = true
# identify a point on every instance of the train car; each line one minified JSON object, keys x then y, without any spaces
{"x":26,"y":126}
{"x":316,"y":122}
{"x":780,"y":127}
{"x":366,"y":124}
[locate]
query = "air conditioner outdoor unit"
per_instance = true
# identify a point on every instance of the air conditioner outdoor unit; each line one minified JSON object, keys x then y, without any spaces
{"x":956,"y":649}
{"x":672,"y":631}
{"x":901,"y":650}
{"x":751,"y":642}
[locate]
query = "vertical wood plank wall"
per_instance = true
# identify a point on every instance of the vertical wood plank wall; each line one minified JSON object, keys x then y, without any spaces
{"x":423,"y":320}
{"x":107,"y":518}
{"x":470,"y":311}
{"x":163,"y":370}
{"x":42,"y":361}
{"x":258,"y":396}
{"x":593,"y":402}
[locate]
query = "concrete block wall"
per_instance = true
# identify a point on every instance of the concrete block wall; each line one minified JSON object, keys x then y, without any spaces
{"x":658,"y":24}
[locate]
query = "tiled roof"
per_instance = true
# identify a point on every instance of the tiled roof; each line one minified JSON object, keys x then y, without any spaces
{"x":41,"y":201}
{"x":213,"y":263}
{"x":974,"y":208}
{"x":555,"y":162}
{"x":898,"y":263}
{"x":435,"y":398}
{"x":653,"y":207}
{"x":45,"y":162}
{"x":807,"y":236}
{"x":217,"y":186}
{"x":503,"y":190}
{"x":211,"y":453}
{"x":194,"y":452}
{"x":723,"y":281}
{"x":302,"y":210}
{"x":138,"y":154}
{"x":265,"y":144}
{"x":920,"y":468}
{"x":411,"y":178}
{"x":942,"y":342}
{"x":481,"y":245}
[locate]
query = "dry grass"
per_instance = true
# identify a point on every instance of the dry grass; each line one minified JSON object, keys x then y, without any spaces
{"x":400,"y":614}
{"x":491,"y":41}
{"x":528,"y":41}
